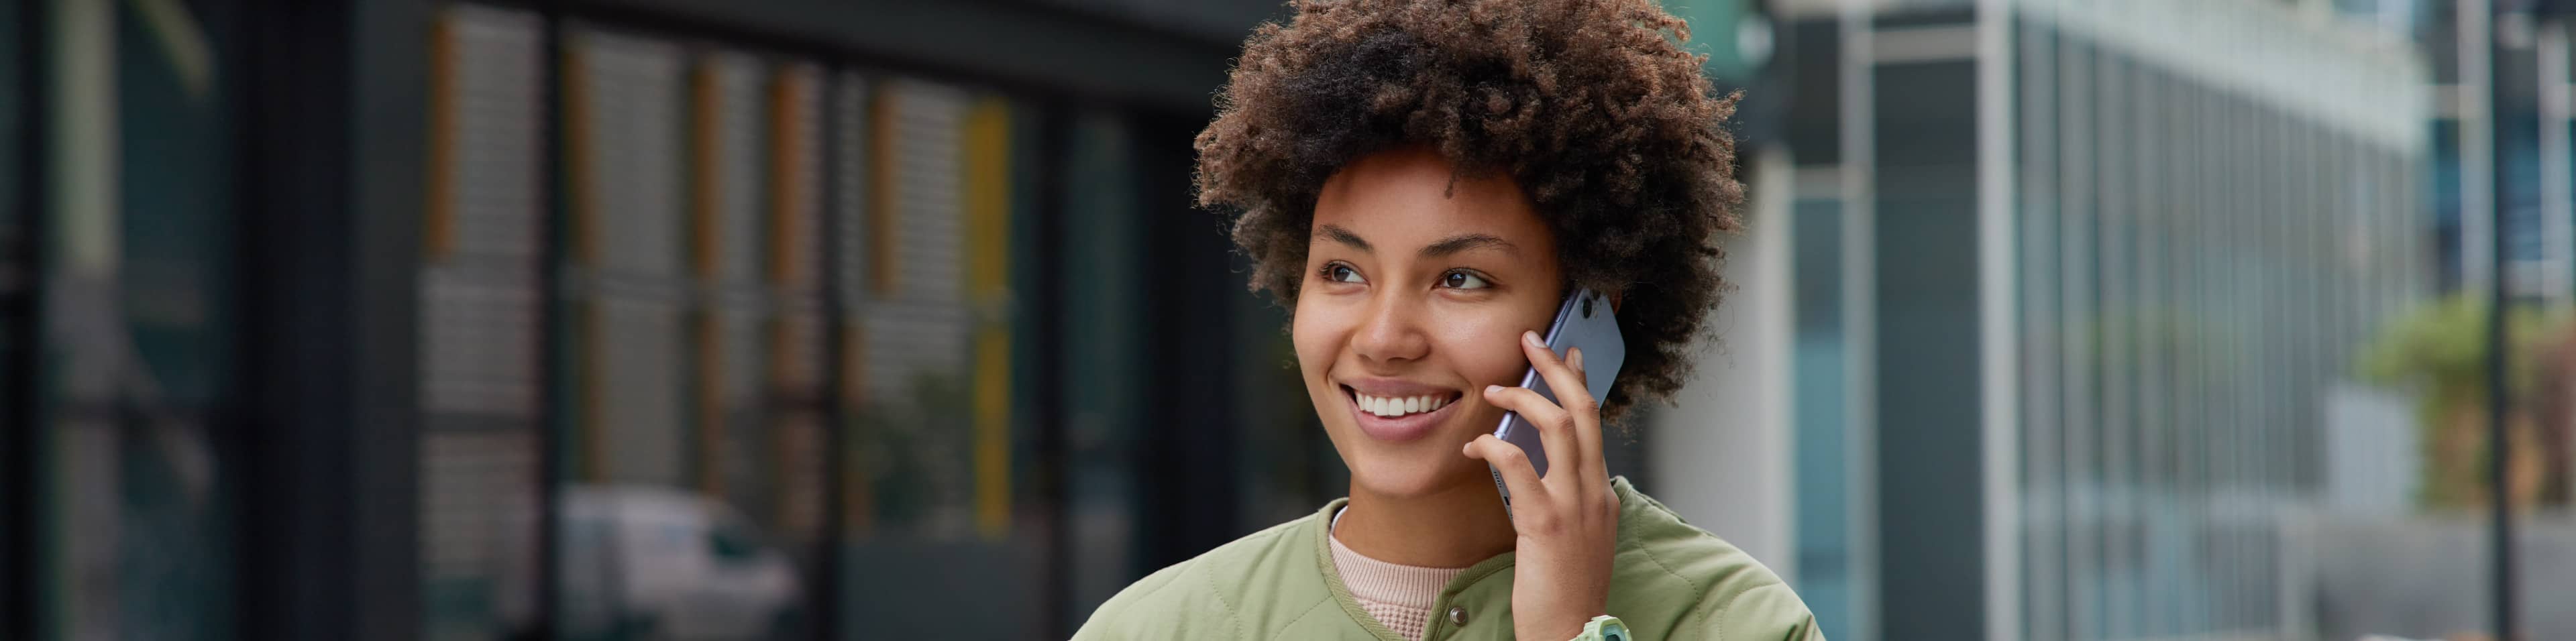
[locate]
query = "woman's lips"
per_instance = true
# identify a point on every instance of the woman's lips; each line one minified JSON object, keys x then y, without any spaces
{"x":1414,"y":423}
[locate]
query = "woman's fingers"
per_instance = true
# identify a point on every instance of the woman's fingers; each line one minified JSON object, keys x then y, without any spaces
{"x":1514,"y":466}
{"x":1582,"y":413}
{"x":1590,"y":437}
{"x":1554,"y":425}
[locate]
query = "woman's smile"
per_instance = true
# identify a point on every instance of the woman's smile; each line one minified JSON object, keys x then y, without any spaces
{"x":1398,"y":411}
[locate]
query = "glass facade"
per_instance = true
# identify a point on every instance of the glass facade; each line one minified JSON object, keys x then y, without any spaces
{"x":2193,"y":264}
{"x":138,"y":340}
{"x":1827,"y":437}
{"x":479,"y":327}
{"x":762,"y":255}
{"x":2196,"y":266}
{"x":2535,"y":166}
{"x":1823,"y":443}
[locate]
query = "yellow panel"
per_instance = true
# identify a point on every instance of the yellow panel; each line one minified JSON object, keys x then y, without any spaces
{"x":993,"y":432}
{"x":988,"y":234}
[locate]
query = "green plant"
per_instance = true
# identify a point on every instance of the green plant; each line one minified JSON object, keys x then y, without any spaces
{"x":2441,"y":349}
{"x":2440,"y":352}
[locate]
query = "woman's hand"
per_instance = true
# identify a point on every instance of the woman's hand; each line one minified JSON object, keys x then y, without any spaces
{"x":1568,"y":522}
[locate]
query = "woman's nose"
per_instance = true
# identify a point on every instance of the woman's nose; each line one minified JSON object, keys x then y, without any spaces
{"x":1391,"y":332}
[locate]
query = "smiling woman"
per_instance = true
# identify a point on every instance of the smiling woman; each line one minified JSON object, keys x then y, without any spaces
{"x":1420,"y":288}
{"x":1424,"y":182}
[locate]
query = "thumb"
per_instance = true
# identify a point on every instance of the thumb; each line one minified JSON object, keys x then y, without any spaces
{"x":1511,"y":463}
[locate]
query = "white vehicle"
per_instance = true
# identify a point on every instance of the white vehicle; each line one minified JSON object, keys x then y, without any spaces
{"x":644,"y":562}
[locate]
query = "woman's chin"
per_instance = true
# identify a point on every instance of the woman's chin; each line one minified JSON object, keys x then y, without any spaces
{"x":1413,"y":477}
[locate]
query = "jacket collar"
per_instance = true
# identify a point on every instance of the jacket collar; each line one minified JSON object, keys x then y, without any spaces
{"x":1319,"y":532}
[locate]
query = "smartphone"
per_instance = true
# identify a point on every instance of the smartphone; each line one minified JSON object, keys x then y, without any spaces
{"x":1584,"y":321}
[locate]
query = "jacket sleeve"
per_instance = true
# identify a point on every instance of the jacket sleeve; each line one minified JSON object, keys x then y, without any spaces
{"x":1768,"y":612}
{"x":1135,"y":612}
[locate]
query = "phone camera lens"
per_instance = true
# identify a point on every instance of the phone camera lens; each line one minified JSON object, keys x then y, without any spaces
{"x":1587,"y":307}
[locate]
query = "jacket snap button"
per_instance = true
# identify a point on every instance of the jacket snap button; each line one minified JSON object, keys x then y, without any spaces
{"x":1457,"y":615}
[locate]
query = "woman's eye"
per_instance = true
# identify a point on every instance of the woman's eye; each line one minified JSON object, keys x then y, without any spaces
{"x":1462,"y":280}
{"x":1341,"y":273}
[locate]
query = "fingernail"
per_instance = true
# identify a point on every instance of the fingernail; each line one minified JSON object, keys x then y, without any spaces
{"x":1532,"y":339}
{"x":1574,"y":358}
{"x":1493,"y":389}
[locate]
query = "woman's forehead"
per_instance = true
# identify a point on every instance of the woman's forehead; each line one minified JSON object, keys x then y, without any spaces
{"x":1414,"y":195}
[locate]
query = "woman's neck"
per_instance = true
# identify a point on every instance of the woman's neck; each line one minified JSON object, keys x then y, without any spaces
{"x":1454,"y":527}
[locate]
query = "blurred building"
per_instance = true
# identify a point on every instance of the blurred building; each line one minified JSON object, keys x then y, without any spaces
{"x":2532,"y":145}
{"x":313,"y":312}
{"x":2067,"y":286}
{"x":331,"y":296}
{"x":316,"y":314}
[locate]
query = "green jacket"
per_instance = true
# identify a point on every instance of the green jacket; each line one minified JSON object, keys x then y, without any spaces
{"x":1669,"y":581}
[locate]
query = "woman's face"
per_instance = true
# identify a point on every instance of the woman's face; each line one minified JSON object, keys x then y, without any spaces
{"x":1414,"y":299}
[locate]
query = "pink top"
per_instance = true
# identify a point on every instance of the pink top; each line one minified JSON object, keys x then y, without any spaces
{"x":1398,"y":596}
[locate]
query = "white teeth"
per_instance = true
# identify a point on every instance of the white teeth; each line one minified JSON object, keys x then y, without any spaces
{"x":1399,"y":406}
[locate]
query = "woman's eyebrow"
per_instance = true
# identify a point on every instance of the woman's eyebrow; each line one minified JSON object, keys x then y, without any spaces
{"x":1464,"y":242}
{"x":1343,"y":236}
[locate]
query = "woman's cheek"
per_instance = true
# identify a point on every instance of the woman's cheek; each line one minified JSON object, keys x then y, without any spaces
{"x":1486,"y":351}
{"x":1317,"y":331}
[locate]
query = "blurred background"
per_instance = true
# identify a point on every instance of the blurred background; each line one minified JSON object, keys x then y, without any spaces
{"x":862,"y":319}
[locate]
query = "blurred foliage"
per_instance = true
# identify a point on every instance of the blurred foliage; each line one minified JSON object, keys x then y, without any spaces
{"x":2439,"y":351}
{"x":899,"y":441}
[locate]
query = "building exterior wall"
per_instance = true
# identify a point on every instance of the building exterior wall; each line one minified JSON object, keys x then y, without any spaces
{"x":2204,"y":210}
{"x":2199,"y":262}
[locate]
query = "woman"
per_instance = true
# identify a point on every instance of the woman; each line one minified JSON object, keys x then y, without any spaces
{"x":1423,"y":181}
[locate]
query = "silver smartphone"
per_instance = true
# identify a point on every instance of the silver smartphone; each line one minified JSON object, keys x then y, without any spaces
{"x":1585,"y":322}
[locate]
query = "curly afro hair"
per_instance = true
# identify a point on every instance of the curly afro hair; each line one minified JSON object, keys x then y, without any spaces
{"x":1592,"y":106}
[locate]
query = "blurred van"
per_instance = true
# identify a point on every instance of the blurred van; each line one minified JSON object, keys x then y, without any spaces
{"x":654,"y":563}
